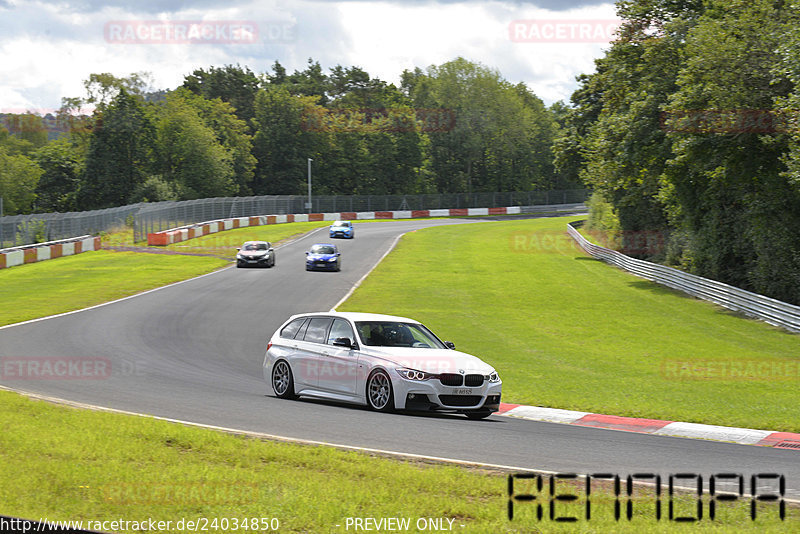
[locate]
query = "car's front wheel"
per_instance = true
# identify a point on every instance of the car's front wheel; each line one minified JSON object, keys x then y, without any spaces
{"x":282,"y":380}
{"x":379,"y":391}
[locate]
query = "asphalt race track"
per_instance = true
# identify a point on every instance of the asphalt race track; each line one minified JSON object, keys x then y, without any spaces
{"x":193,"y":351}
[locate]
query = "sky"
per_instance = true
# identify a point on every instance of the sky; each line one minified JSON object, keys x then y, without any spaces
{"x":48,"y":48}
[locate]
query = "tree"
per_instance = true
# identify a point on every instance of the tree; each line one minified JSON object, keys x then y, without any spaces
{"x":352,"y":87}
{"x":678,"y":130}
{"x":623,"y":145}
{"x":120,"y":153}
{"x":18,"y":178}
{"x":310,"y":82}
{"x":230,"y":131}
{"x":104,"y":87}
{"x":188,"y":153}
{"x":62,"y":166}
{"x":502,"y":134}
{"x":231,"y":83}
{"x":285,"y":137}
{"x":728,"y":173}
{"x":27,"y":127}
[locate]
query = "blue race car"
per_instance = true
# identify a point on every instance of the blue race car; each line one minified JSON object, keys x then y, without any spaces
{"x":323,"y":256}
{"x":342,"y":229}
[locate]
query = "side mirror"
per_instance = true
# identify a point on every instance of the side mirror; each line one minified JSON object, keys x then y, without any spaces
{"x":238,"y":249}
{"x":338,"y":253}
{"x":306,"y":253}
{"x":343,"y":342}
{"x":450,"y":345}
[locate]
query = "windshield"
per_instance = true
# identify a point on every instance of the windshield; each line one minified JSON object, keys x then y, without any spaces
{"x":341,"y":223}
{"x":254,"y":246}
{"x":323,"y":249}
{"x":394,"y":334}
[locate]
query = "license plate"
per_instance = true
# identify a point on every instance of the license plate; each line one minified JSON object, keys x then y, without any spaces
{"x":463,"y":392}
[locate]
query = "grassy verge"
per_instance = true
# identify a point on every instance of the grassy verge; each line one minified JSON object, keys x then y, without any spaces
{"x":225,"y":243}
{"x":104,"y":466}
{"x":570,"y":332}
{"x":75,"y":282}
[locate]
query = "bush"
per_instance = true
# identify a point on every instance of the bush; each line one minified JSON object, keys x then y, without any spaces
{"x":154,"y":189}
{"x":603,"y":222}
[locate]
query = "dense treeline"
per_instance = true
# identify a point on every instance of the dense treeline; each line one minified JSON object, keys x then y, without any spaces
{"x":458,"y":127}
{"x":688,"y":131}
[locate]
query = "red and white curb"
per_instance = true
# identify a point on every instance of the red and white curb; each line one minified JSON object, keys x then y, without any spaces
{"x":183,"y":233}
{"x":743,"y":436}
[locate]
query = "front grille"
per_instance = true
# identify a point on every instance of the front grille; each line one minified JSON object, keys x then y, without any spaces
{"x":473,"y":381}
{"x":451,"y":379}
{"x":460,"y":400}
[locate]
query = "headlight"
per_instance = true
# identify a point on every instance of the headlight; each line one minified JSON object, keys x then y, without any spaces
{"x":413,"y":374}
{"x":493,"y":377}
{"x":332,"y":259}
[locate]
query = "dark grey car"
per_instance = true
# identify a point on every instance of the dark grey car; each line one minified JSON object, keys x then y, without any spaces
{"x":255,"y":254}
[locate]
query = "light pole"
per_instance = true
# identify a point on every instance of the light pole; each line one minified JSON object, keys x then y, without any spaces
{"x":308,"y":204}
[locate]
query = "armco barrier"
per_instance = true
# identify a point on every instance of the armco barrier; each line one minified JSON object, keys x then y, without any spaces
{"x":10,"y":257}
{"x":772,"y":311}
{"x":176,"y":235}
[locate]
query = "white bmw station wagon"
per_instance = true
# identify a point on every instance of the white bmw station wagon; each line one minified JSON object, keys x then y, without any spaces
{"x":382,"y":361}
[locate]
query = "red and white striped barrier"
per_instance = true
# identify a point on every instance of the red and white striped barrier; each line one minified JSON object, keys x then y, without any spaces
{"x":46,"y":251}
{"x":744,"y":436}
{"x":176,"y":235}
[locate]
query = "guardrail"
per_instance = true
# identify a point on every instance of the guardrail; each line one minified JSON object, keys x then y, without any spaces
{"x":772,"y":311}
{"x":11,"y":257}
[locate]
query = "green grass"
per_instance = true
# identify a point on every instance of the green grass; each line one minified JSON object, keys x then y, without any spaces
{"x":567,"y":331}
{"x":75,"y":282}
{"x":102,"y":466}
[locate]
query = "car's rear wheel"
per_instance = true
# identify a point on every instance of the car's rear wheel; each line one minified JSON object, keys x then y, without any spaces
{"x":478,"y":415}
{"x":379,"y":391}
{"x":282,"y":380}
